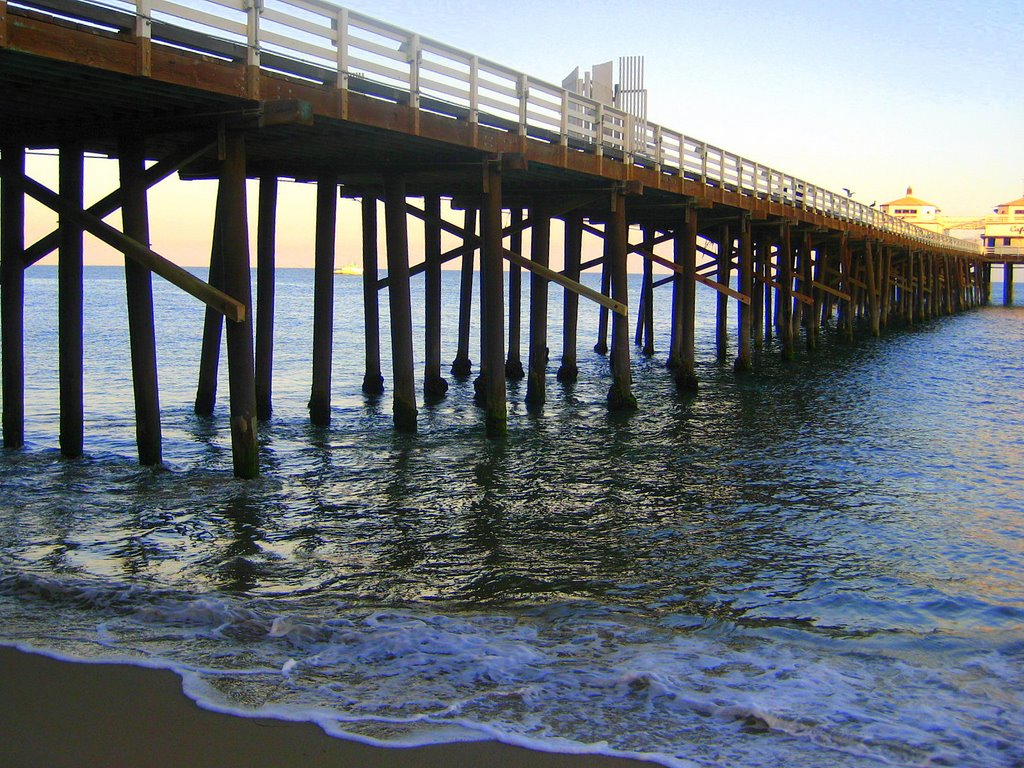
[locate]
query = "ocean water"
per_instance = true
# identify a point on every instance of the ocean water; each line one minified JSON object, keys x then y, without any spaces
{"x":820,"y":563}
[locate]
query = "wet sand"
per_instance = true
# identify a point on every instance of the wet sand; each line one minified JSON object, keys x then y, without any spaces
{"x":57,"y":714}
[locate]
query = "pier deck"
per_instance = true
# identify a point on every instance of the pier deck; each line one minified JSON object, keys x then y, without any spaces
{"x":309,"y":91}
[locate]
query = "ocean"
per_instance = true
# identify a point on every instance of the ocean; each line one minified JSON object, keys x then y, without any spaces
{"x":821,"y":563}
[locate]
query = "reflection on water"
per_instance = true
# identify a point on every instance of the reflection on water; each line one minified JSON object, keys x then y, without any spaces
{"x":820,"y":562}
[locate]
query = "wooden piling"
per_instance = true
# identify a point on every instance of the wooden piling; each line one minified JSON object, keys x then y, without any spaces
{"x":323,"y":299}
{"x":373,"y":380}
{"x":492,"y":318}
{"x":846,"y":305}
{"x":685,"y":254}
{"x":746,"y":286}
{"x":69,"y":315}
{"x":809,"y":313}
{"x":620,"y":395}
{"x":722,"y":301}
{"x":573,"y":244}
{"x":769,"y":293}
{"x":462,"y":366}
{"x":400,"y":301}
{"x":237,"y":284}
{"x":757,"y":289}
{"x":648,"y":299}
{"x":12,"y":293}
{"x":601,"y":346}
{"x":1008,"y":283}
{"x":816,"y":274}
{"x":213,"y":322}
{"x":540,"y":248}
{"x":139,"y":287}
{"x":872,"y":289}
{"x":434,"y":385}
{"x":266,"y":235}
{"x":514,"y":362}
{"x":785,"y":257}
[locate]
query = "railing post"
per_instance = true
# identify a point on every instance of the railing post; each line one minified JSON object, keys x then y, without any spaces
{"x":414,"y":71}
{"x":599,"y":130}
{"x":563,"y":128}
{"x":253,"y":9}
{"x":474,"y":89}
{"x":523,"y":87}
{"x":341,"y":33}
{"x":143,"y":33}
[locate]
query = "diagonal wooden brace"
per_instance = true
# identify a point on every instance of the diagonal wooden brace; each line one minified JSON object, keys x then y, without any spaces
{"x":171,"y":272}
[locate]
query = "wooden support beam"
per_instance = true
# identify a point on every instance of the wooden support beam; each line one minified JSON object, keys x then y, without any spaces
{"x":540,"y":247}
{"x":70,"y":299}
{"x":576,"y":287}
{"x":830,"y":290}
{"x":724,"y":289}
{"x":266,"y":236}
{"x":492,"y":311}
{"x":237,"y":283}
{"x":323,"y":299}
{"x":685,"y":258}
{"x":785,"y":294}
{"x":139,"y":289}
{"x":110,"y":203}
{"x":647,"y":300}
{"x":873,"y":302}
{"x":725,"y":239}
{"x":620,"y":394}
{"x":513,"y":361}
{"x":168,"y":270}
{"x":434,"y":385}
{"x":601,"y":345}
{"x":400,"y":302}
{"x":373,"y":380}
{"x":746,"y":284}
{"x":462,"y":365}
{"x":573,"y":243}
{"x":213,"y":321}
{"x":12,"y":294}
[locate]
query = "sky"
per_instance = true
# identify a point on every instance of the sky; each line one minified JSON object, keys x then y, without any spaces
{"x":870,"y":96}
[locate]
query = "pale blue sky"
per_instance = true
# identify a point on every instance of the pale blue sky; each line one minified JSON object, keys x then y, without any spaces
{"x":874,"y":96}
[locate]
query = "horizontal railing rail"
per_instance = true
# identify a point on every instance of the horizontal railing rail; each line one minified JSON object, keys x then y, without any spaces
{"x":323,"y":42}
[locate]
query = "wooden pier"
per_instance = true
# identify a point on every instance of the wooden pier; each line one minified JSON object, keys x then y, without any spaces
{"x":305,"y":90}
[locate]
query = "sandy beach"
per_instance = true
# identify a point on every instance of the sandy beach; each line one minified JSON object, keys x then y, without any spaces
{"x":57,"y":714}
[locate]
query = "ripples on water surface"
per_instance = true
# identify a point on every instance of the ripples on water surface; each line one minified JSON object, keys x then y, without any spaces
{"x":821,"y":563}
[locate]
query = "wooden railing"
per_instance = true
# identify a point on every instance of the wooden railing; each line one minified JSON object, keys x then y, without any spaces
{"x":325,"y":43}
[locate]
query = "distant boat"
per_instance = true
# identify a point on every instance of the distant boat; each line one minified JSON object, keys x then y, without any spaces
{"x":349,"y":269}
